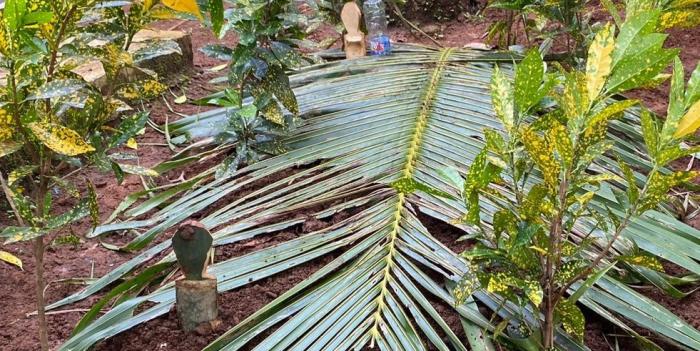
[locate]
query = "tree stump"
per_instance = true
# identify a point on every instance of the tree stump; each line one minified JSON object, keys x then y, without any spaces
{"x":196,"y":302}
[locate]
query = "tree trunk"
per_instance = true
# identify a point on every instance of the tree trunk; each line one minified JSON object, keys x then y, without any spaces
{"x":195,"y":301}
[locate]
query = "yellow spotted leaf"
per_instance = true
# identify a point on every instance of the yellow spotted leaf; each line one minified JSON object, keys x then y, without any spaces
{"x":502,"y":98}
{"x":644,"y":260}
{"x":690,"y":122}
{"x":599,"y":62}
{"x":574,"y":98}
{"x":682,"y":18}
{"x":187,"y":6}
{"x":534,"y":292}
{"x":131,"y":143}
{"x":562,"y":143}
{"x":9,"y":146}
{"x":5,"y":132}
{"x":10,"y":258}
{"x":273,"y":113}
{"x":6,"y":129}
{"x":466,"y":286}
{"x":597,"y":126}
{"x":542,"y":152}
{"x":60,"y":139}
{"x":19,"y":173}
{"x":571,"y":318}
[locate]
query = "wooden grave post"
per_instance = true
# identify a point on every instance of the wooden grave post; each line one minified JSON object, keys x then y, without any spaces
{"x":195,"y":294}
{"x":354,"y":41}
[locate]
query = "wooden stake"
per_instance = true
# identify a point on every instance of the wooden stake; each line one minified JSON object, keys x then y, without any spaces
{"x":195,"y":294}
{"x":354,"y":41}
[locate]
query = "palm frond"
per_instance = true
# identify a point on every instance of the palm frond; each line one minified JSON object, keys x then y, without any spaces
{"x":368,"y":124}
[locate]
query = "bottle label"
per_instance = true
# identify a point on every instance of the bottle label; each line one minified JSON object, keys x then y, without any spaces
{"x":380,"y":45}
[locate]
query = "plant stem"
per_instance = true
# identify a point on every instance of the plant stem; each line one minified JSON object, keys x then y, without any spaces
{"x":616,"y":235}
{"x":527,"y":35}
{"x":603,"y":253}
{"x":553,"y":257}
{"x":39,"y":249}
{"x":57,"y":43}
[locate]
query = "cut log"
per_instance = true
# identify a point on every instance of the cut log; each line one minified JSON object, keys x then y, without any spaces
{"x":196,"y":302}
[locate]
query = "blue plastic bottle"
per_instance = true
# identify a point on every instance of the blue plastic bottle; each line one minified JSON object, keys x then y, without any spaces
{"x":375,"y":20}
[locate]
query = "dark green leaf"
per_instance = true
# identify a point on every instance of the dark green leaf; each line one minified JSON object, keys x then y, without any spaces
{"x":632,"y":189}
{"x":156,"y":48}
{"x":217,"y":51}
{"x":92,"y":205}
{"x":216,"y":15}
{"x":524,"y":236}
{"x":128,"y":128}
{"x":118,"y":173}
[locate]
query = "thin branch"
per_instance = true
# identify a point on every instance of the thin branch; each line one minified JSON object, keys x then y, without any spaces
{"x":398,"y":12}
{"x":76,"y":310}
{"x":605,"y":251}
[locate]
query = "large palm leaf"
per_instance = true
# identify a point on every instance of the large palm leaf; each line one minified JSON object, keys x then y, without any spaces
{"x":373,"y":128}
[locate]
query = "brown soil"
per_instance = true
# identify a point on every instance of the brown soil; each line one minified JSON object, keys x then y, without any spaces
{"x":90,"y":259}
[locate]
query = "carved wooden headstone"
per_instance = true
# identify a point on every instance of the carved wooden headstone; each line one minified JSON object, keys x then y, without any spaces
{"x":354,"y":40}
{"x":195,"y":294}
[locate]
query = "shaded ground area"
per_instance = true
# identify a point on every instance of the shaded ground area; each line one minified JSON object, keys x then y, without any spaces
{"x":67,"y":264}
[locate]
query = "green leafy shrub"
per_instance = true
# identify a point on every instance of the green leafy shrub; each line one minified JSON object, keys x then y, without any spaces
{"x":541,"y":19}
{"x":263,"y":104}
{"x":548,"y":244}
{"x":52,"y":120}
{"x":438,"y":10}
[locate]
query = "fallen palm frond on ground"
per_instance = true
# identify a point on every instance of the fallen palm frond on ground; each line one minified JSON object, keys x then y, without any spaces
{"x":375,"y":131}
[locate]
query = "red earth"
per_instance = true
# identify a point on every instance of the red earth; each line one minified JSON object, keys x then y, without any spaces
{"x":67,"y":265}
